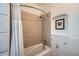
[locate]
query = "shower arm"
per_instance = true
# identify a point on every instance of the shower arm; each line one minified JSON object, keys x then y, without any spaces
{"x":35,"y":8}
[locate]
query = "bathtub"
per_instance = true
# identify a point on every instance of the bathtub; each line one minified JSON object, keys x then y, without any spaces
{"x":37,"y":50}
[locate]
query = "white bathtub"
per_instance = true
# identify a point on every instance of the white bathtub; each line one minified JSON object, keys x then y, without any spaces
{"x":37,"y":50}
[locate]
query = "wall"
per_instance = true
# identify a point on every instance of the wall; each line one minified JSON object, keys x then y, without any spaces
{"x":46,"y":29}
{"x":46,"y":23}
{"x":72,"y":11}
{"x":32,"y":28}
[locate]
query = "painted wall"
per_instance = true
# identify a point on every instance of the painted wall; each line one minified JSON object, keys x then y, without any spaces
{"x":73,"y":14}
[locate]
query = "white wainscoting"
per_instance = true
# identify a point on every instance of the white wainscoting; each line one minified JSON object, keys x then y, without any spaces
{"x":70,"y":49}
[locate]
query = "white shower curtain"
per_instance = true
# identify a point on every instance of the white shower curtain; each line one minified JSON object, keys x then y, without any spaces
{"x":17,"y":38}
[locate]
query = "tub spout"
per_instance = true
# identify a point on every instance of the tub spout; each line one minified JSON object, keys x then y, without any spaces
{"x":44,"y":43}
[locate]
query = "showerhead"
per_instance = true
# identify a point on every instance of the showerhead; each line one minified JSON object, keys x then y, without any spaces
{"x":42,"y":17}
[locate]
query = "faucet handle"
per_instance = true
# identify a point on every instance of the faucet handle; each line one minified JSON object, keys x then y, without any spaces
{"x":57,"y":46}
{"x":44,"y":42}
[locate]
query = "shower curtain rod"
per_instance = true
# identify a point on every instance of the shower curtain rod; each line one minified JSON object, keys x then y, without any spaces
{"x":35,"y":8}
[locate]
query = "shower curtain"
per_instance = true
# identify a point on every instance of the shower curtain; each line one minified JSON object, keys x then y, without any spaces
{"x":16,"y":41}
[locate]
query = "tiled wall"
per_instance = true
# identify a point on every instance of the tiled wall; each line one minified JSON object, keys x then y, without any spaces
{"x":32,"y":29}
{"x":47,"y":29}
